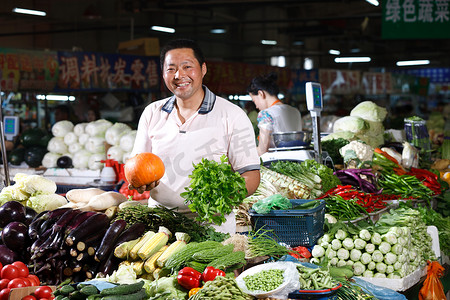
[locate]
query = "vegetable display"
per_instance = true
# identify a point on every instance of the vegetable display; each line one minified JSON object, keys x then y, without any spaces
{"x":214,"y":191}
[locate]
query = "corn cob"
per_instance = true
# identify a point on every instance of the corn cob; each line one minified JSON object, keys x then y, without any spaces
{"x":294,"y":187}
{"x":181,"y":240}
{"x":176,"y":261}
{"x":143,"y":239}
{"x":138,"y":267}
{"x":155,"y":243}
{"x":150,"y":263}
{"x":209,"y":255}
{"x":160,"y":272}
{"x":122,"y":250}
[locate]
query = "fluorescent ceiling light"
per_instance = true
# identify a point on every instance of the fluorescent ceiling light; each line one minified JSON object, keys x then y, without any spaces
{"x":413,"y":62}
{"x":373,"y":2}
{"x":334,"y":52}
{"x":163,"y":29}
{"x":56,"y":97}
{"x":351,"y":59}
{"x":29,"y":12}
{"x":218,"y":30}
{"x":268,"y":42}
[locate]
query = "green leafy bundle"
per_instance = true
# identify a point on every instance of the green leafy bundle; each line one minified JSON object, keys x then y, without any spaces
{"x":214,"y":191}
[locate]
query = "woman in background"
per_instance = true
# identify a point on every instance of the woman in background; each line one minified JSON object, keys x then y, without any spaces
{"x":274,"y":116}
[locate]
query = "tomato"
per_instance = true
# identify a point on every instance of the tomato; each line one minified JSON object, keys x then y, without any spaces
{"x":4,"y":294}
{"x":29,"y":297}
{"x":26,"y":280}
{"x":34,"y":280}
{"x":4,"y":283}
{"x":16,"y":283}
{"x":43,"y":292}
{"x":23,"y":269}
{"x":10,"y":272}
{"x":1,"y":266}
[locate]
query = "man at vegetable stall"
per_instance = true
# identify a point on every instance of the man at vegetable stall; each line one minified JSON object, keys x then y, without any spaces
{"x":193,"y":124}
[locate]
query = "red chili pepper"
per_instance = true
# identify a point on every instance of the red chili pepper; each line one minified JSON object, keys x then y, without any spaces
{"x":210,"y":273}
{"x":189,"y":278}
{"x":300,"y":252}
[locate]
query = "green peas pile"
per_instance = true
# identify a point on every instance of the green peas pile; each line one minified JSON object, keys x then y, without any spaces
{"x":266,"y":280}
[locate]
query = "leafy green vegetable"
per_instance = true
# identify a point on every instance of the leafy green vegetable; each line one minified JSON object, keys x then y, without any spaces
{"x":329,"y":180}
{"x":214,"y":191}
{"x":166,"y":288}
{"x":332,"y":148}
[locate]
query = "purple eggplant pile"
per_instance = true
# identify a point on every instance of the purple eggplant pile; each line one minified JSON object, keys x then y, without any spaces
{"x":14,"y":221}
{"x":70,"y":243}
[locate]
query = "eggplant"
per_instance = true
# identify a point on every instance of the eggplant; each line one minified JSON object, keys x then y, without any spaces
{"x":64,"y":162}
{"x":15,"y":236}
{"x":7,"y":256}
{"x":108,"y":242}
{"x":11,"y":211}
{"x":94,"y":223}
{"x":30,"y":214}
{"x":131,"y":233}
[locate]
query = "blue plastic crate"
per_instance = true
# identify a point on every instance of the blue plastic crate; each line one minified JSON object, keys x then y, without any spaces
{"x":302,"y":227}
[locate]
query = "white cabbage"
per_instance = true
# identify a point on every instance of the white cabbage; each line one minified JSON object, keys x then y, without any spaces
{"x":126,"y":156}
{"x":95,"y":161}
{"x":98,"y":128}
{"x":57,"y":145}
{"x":95,"y":144}
{"x":115,"y":132}
{"x":75,"y":147}
{"x":355,"y":125}
{"x":116,"y":153}
{"x":81,"y":159}
{"x":83,"y":138}
{"x":61,"y":128}
{"x":370,"y":111}
{"x":70,"y":138}
{"x":79,"y":129}
{"x":49,"y":160}
{"x":127,"y":141}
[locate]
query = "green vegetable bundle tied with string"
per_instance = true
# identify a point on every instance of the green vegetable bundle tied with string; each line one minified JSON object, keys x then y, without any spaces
{"x":214,"y":191}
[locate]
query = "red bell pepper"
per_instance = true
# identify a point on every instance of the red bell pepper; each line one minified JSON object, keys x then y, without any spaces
{"x":210,"y":273}
{"x":189,"y":278}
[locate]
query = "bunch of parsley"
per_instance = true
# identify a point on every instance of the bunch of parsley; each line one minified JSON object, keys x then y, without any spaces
{"x":214,"y":190}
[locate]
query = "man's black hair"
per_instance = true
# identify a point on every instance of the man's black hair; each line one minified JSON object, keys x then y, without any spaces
{"x":182,"y":43}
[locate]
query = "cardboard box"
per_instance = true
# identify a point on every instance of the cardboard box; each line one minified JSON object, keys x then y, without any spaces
{"x":19,"y":293}
{"x":143,"y":46}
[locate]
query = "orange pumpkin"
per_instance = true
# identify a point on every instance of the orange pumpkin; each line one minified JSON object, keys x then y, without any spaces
{"x":143,"y":168}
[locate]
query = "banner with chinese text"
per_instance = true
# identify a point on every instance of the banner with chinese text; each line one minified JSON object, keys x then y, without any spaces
{"x":98,"y":71}
{"x":411,"y":19}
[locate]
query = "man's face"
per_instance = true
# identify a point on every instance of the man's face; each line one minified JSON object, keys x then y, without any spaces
{"x":183,"y":74}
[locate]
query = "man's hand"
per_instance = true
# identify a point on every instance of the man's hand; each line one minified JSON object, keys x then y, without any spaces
{"x":144,"y":188}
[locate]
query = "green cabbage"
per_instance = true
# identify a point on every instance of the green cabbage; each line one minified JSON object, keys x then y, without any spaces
{"x":355,"y":125}
{"x":369,"y":111}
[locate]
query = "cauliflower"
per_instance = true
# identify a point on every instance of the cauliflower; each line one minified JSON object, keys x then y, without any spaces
{"x":356,"y":153}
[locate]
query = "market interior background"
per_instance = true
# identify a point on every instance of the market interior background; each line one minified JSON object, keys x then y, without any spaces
{"x":303,"y":30}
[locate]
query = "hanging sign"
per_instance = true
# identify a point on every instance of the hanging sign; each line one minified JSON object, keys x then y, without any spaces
{"x":412,"y":19}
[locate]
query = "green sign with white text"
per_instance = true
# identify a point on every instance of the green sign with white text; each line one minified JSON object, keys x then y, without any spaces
{"x":416,"y":19}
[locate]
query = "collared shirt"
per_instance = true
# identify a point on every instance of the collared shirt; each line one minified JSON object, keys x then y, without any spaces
{"x":217,"y":128}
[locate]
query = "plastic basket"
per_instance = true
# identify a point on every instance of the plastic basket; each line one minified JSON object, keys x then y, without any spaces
{"x":302,"y":227}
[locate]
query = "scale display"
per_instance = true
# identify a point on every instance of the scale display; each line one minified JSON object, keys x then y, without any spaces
{"x":11,"y":127}
{"x":314,"y":96}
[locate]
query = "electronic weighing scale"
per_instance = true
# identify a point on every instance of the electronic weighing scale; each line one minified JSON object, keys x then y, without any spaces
{"x":315,"y":105}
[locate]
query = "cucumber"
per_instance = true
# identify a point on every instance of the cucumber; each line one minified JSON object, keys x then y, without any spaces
{"x":66,"y":290}
{"x":139,"y":295}
{"x":77,"y":295}
{"x":123,"y":289}
{"x":89,"y":290}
